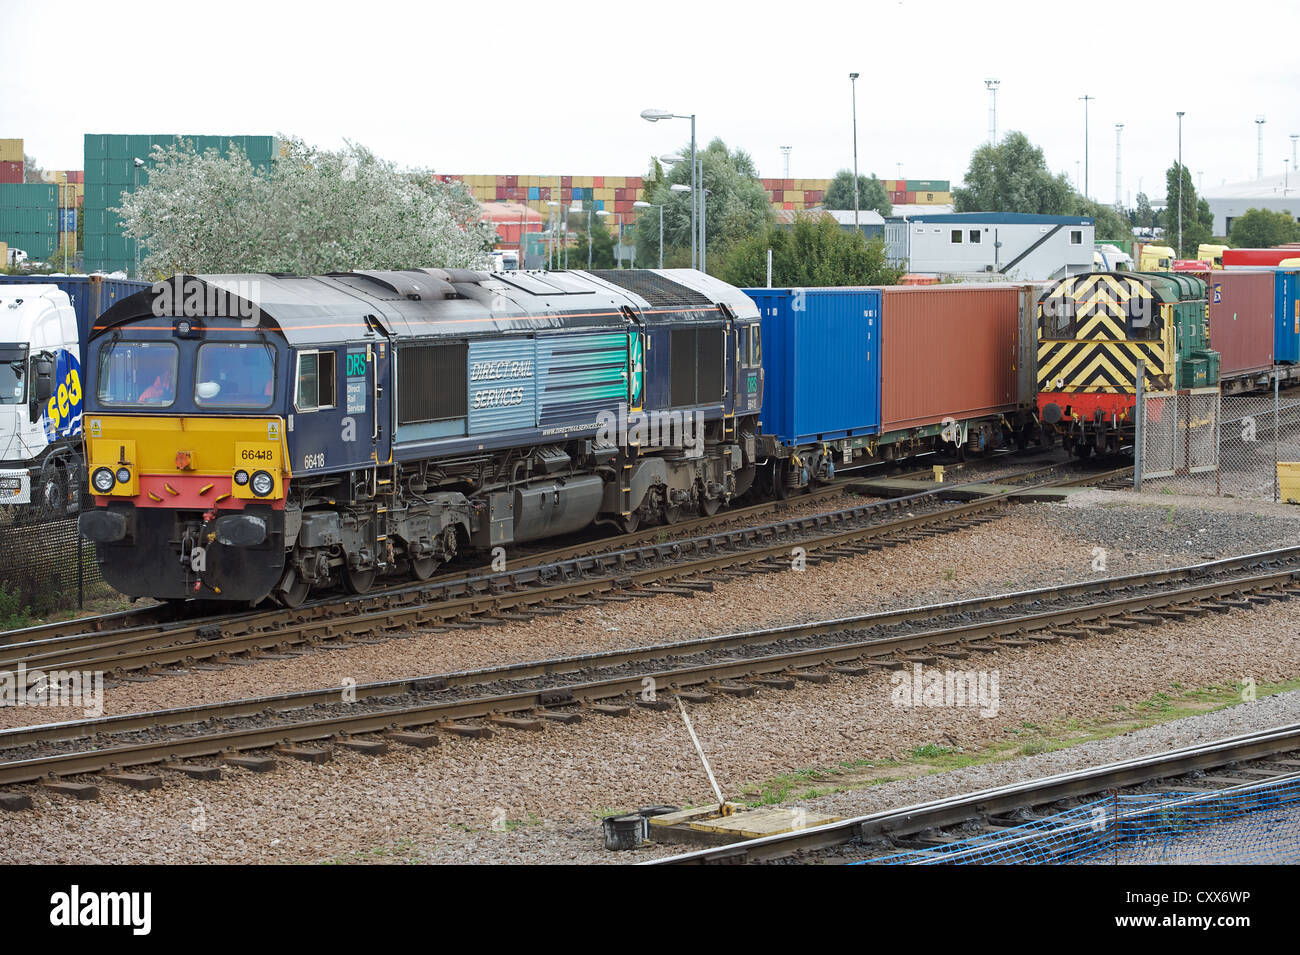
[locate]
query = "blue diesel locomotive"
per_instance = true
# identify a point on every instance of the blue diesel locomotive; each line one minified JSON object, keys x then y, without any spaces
{"x":254,"y":436}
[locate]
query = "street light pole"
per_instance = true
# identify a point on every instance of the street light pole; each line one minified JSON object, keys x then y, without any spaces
{"x":1180,"y":182}
{"x":653,"y":116}
{"x":135,"y":241}
{"x":1085,"y":99}
{"x":853,"y":84}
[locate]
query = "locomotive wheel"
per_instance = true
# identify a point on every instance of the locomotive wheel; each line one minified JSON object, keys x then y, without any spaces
{"x":779,"y":490}
{"x":422,"y":568}
{"x":671,"y":513}
{"x":296,"y":593}
{"x":357,"y":581}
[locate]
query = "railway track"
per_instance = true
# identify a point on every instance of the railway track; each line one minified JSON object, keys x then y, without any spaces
{"x":160,"y":616}
{"x":526,"y":696}
{"x":539,"y":585}
{"x":1248,"y":770}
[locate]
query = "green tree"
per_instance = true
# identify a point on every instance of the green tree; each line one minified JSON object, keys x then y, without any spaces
{"x":1145,"y":217}
{"x":1262,"y":229}
{"x":314,"y":211}
{"x":32,"y":172}
{"x":1012,"y":177}
{"x":602,"y":242}
{"x":814,"y":251}
{"x":1108,"y":223}
{"x":1198,"y":221}
{"x":871,"y":193}
{"x":737,"y":207}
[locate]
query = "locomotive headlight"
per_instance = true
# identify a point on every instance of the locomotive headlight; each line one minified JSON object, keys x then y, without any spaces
{"x":262,"y":483}
{"x":102,"y":480}
{"x":241,"y":477}
{"x":123,"y":476}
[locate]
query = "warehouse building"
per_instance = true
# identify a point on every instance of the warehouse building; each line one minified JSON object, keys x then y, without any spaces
{"x":1274,"y":193}
{"x":991,"y":245}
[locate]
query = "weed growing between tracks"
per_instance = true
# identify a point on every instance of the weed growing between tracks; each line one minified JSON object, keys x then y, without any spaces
{"x":1029,"y":739}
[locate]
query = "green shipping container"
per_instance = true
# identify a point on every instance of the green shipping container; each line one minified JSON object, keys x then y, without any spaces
{"x":18,"y":195}
{"x":927,"y":185}
{"x":34,"y":221}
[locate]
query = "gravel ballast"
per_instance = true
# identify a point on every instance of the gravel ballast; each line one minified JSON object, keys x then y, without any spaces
{"x":536,"y":797}
{"x":1033,"y":546}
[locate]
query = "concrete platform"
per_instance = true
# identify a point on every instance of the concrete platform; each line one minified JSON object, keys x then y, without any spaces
{"x":902,"y":487}
{"x":708,"y":826}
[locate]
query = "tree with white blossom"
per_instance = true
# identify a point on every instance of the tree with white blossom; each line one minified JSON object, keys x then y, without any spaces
{"x":312,"y":212}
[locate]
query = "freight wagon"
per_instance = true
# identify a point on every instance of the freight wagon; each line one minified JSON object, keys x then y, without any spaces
{"x":860,"y":375}
{"x":1253,"y":325}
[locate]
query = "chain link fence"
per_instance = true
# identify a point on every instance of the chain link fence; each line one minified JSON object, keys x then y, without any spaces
{"x":45,"y":565}
{"x":1197,"y":442}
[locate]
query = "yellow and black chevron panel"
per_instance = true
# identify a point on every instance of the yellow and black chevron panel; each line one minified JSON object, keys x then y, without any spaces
{"x":1094,"y":328}
{"x":1090,"y":366}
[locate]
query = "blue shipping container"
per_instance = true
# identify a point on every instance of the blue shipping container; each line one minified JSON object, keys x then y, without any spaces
{"x":1286,"y":315}
{"x":821,"y":362}
{"x":91,"y":295}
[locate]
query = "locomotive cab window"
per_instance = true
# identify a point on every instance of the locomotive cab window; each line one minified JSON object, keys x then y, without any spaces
{"x":137,"y":374}
{"x":235,"y":375}
{"x":755,"y":345}
{"x":316,"y":388}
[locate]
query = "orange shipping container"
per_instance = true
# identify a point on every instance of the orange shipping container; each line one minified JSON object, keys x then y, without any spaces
{"x":947,"y":351}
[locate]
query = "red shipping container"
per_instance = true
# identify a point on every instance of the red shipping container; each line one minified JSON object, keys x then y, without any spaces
{"x":1241,"y":320}
{"x":947,"y":351}
{"x":512,"y":181}
{"x":634,"y":182}
{"x":1258,"y":256}
{"x":911,"y":198}
{"x":598,"y":182}
{"x":11,"y":172}
{"x":77,"y":176}
{"x":566,"y":182}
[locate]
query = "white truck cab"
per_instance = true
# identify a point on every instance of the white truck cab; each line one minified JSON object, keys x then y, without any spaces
{"x":40,"y":398}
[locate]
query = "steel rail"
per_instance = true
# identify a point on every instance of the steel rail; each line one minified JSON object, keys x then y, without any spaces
{"x":622,"y":685}
{"x":952,"y":810}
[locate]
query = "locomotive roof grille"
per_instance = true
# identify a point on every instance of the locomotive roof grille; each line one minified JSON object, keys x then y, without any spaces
{"x":657,"y":290}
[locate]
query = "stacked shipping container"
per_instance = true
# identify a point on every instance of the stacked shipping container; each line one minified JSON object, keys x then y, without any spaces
{"x":617,"y":194}
{"x":29,"y":218}
{"x":613,"y":194}
{"x":11,"y":160}
{"x":110,"y":171}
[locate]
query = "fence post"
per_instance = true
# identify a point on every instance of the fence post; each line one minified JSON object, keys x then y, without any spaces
{"x":1139,"y":423}
{"x":1277,"y":426}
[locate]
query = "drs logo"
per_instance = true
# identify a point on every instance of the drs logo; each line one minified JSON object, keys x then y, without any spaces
{"x":62,"y":417}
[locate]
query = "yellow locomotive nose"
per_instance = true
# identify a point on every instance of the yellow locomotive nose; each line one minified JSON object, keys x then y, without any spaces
{"x":187,"y":462}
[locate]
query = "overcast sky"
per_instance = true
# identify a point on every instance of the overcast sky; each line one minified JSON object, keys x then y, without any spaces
{"x":512,"y":87}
